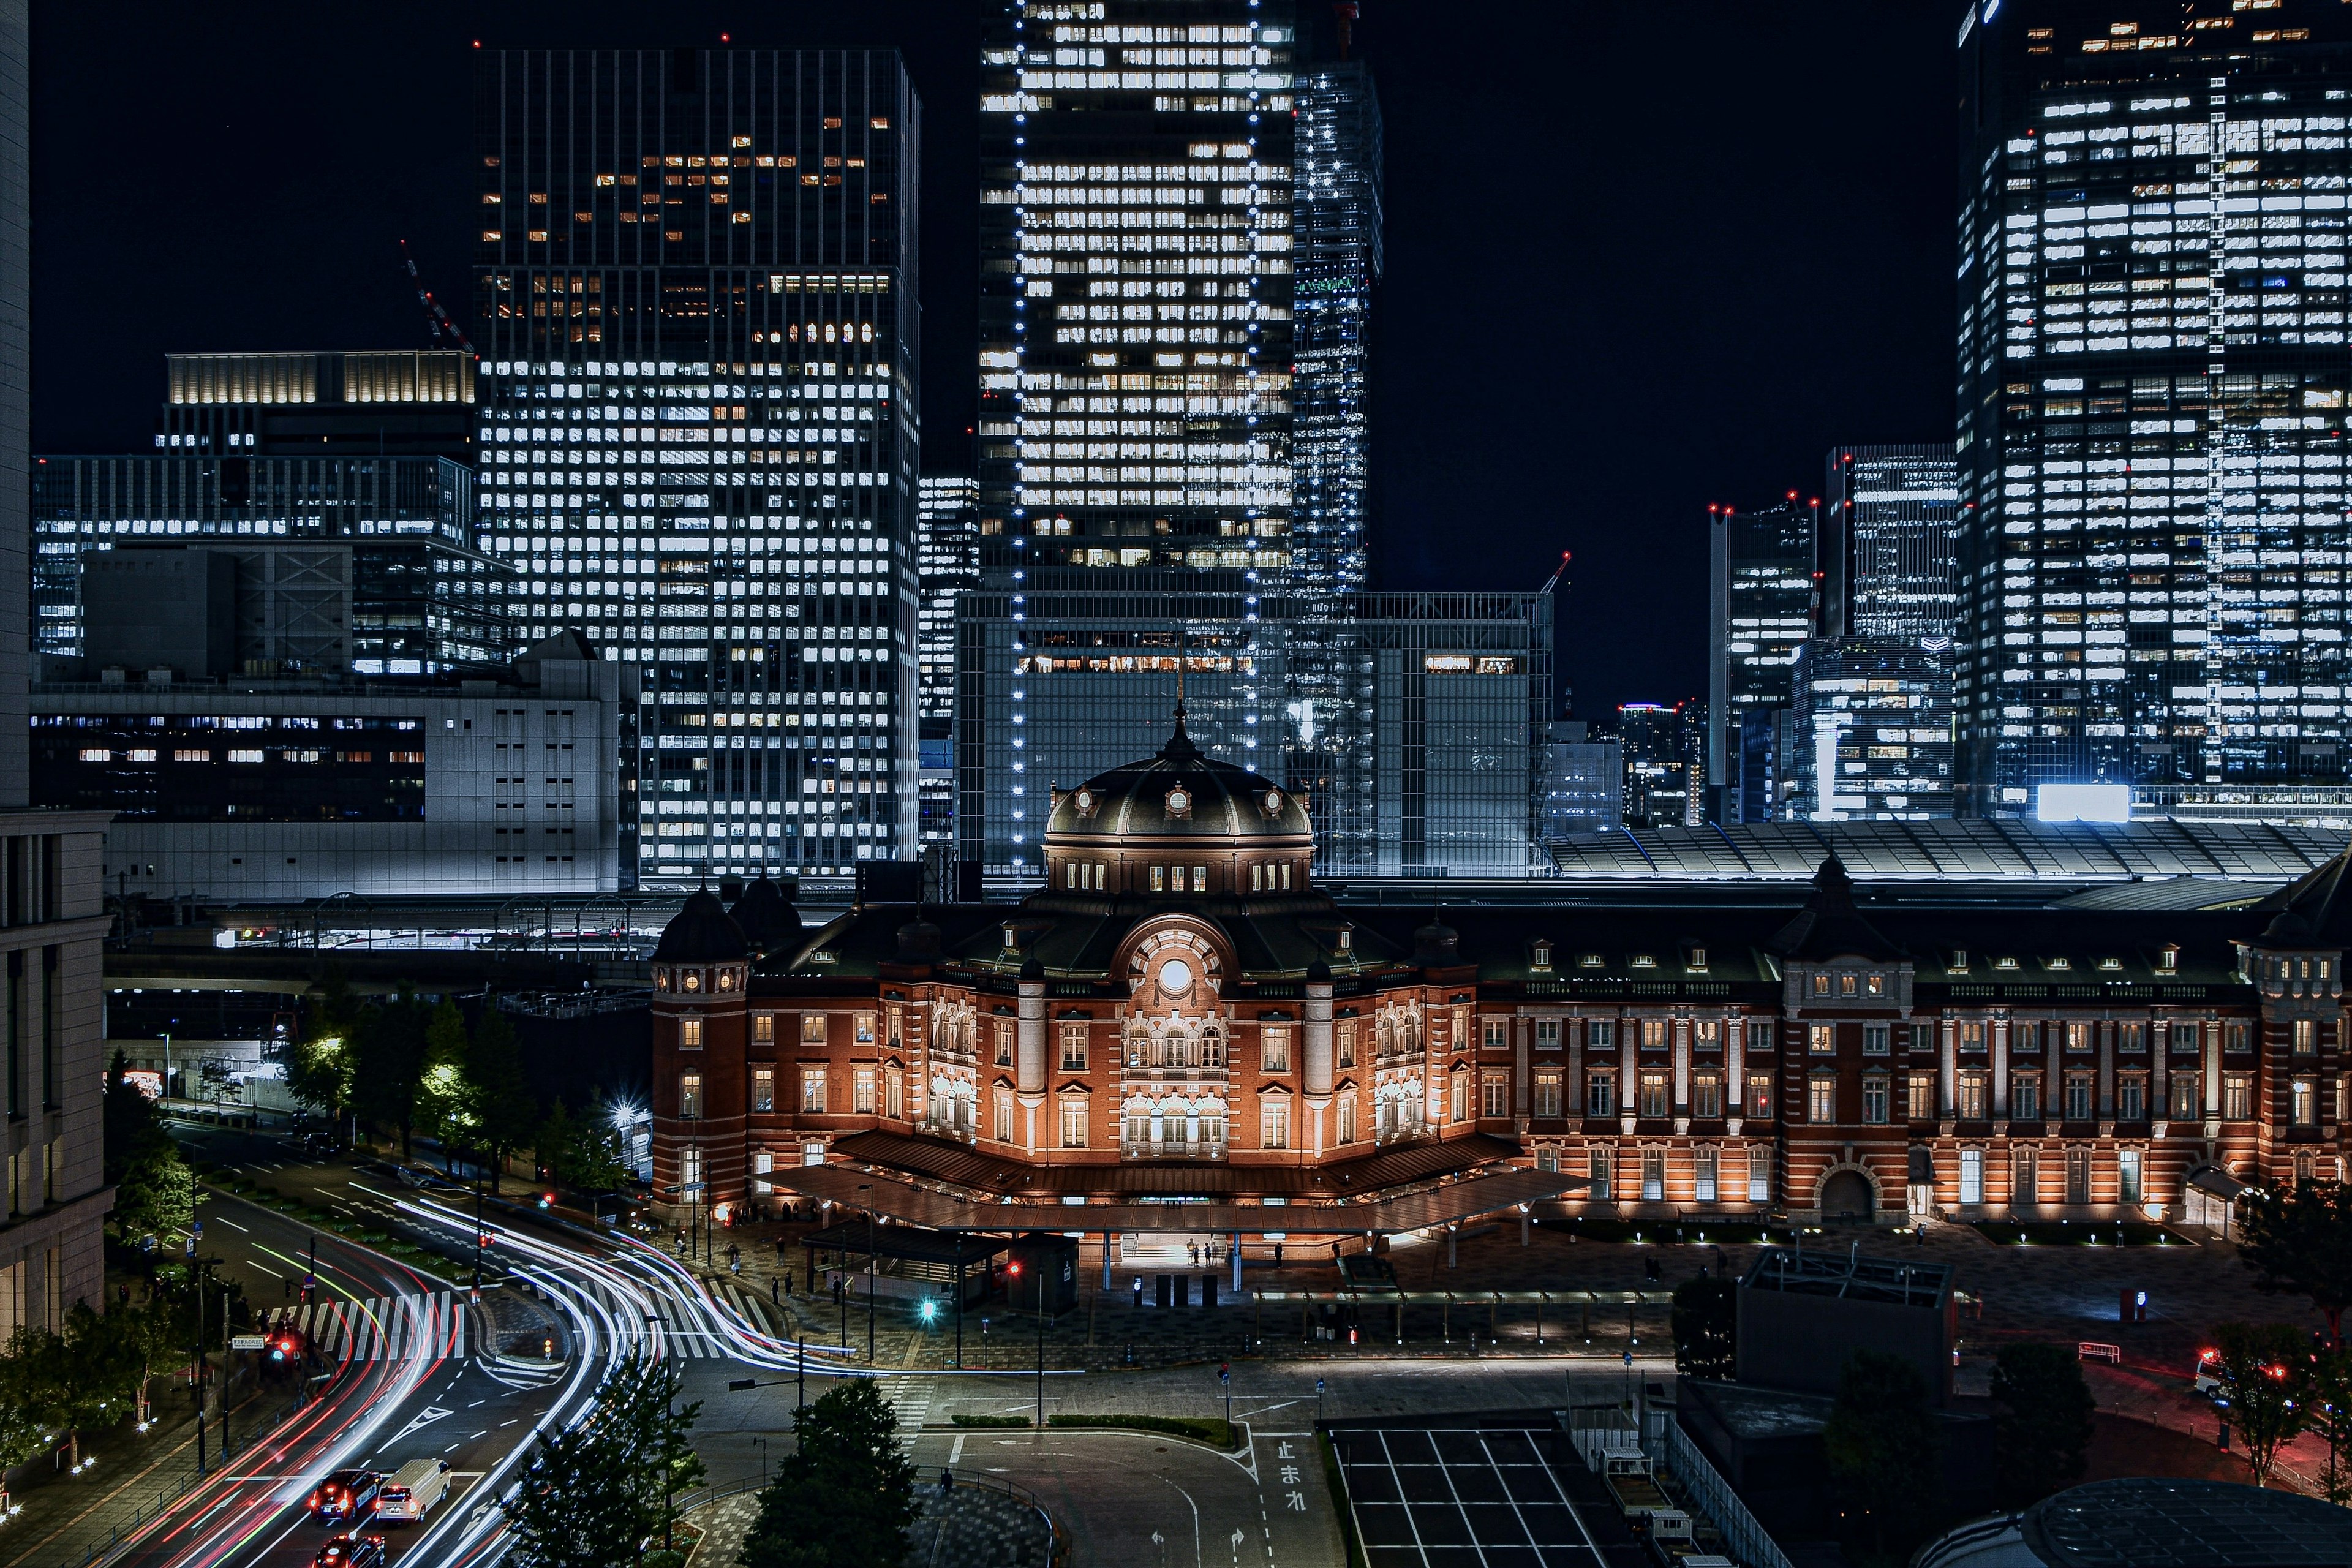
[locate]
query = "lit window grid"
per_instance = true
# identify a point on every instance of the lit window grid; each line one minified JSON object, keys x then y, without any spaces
{"x":1182,"y":255}
{"x":2182,"y":609}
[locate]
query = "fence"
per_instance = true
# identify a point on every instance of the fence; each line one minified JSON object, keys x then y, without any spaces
{"x":1746,"y":1538}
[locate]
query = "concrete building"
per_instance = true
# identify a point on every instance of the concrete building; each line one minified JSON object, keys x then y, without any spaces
{"x":401,"y":402}
{"x":250,"y":789}
{"x":52,"y":922}
{"x":1582,"y":786}
{"x":1872,"y":718}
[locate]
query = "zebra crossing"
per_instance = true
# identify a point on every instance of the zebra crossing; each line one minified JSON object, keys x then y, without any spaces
{"x":910,"y":1398}
{"x":382,"y":1327}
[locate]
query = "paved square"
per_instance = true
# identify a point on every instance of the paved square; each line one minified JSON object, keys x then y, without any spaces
{"x":1452,"y":1497}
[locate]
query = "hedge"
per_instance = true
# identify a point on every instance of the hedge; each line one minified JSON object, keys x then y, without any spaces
{"x":1213,"y":1430}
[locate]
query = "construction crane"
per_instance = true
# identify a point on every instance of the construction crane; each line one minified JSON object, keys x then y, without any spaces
{"x":437,"y":318}
{"x":1553,"y":581}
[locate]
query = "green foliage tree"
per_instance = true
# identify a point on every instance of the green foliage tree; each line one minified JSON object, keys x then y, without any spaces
{"x":319,"y":1073}
{"x":2265,"y":1366}
{"x":584,"y":1155}
{"x":389,"y":1065}
{"x":596,"y":1493}
{"x":1705,"y":1323}
{"x":156,"y":1194}
{"x":23,"y":1436}
{"x":844,"y":1498}
{"x":1880,"y":1442}
{"x":2300,"y":1243}
{"x":129,"y":1123}
{"x":444,"y":1099}
{"x":504,"y":1108}
{"x":2042,"y":1422}
{"x":68,"y":1382}
{"x":2328,"y":1410}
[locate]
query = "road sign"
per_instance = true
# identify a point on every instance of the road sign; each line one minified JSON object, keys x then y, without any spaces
{"x":248,"y":1341}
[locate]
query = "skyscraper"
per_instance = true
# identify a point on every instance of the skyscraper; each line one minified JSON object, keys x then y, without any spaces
{"x":695,"y":294}
{"x":1886,"y":542}
{"x":1179,"y":237}
{"x":2151,"y":402}
{"x":947,"y":565}
{"x":1136,"y":294}
{"x":1761,"y":604}
{"x":1338,"y":259}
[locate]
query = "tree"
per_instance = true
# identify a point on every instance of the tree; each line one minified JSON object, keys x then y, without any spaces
{"x":1704,"y":1321}
{"x":504,"y":1108}
{"x":2042,"y":1422}
{"x":2263,"y":1364}
{"x":129,"y":1122}
{"x":389,"y":1064}
{"x":597,"y":1491}
{"x":583,"y":1156}
{"x":844,"y":1498}
{"x":2300,"y":1243}
{"x":318,"y":1074}
{"x":75,"y":1380}
{"x":22,"y":1436}
{"x":1880,"y":1442}
{"x":444,"y":1099}
{"x":157,"y":1192}
{"x":2328,"y":1410}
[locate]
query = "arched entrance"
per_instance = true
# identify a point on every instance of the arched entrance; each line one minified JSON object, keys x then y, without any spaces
{"x":1847,"y":1194}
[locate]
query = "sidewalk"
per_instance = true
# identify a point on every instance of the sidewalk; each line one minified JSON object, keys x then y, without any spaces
{"x":69,"y":1518}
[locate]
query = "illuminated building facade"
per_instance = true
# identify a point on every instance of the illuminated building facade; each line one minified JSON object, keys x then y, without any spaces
{"x":394,"y":403}
{"x":1873,"y":723}
{"x":1181,"y":1011}
{"x":1658,"y":747}
{"x":1584,"y":782}
{"x":1762,"y":601}
{"x":1886,"y":542}
{"x":2151,"y":391}
{"x":947,"y":564}
{"x":694,"y":296}
{"x":1339,"y":261}
{"x":1449,"y":690}
{"x":340,"y":565}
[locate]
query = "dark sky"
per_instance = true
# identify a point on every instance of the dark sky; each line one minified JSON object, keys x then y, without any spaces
{"x":1641,"y":257}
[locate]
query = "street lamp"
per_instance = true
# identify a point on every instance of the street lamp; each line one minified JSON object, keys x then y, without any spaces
{"x":871,"y":1238}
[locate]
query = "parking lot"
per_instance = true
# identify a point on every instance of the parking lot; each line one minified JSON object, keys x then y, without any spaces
{"x":1448,"y":1498}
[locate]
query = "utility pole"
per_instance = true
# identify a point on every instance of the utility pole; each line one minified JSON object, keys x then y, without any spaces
{"x":870,"y":1241}
{"x":1041,"y":1350}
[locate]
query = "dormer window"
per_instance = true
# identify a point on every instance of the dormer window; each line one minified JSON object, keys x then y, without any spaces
{"x":2167,"y":959}
{"x":1820,"y":984}
{"x":1641,"y":961}
{"x":2004,"y":963}
{"x":1541,"y":961}
{"x":1697,"y":959}
{"x":1960,"y":965}
{"x":1012,"y":939}
{"x":1592,"y":961}
{"x":1849,"y":985}
{"x":2061,"y":962}
{"x":2111,"y":963}
{"x":1272,"y":802}
{"x":1086,"y":802}
{"x":1347,"y":938}
{"x":1874,"y":985}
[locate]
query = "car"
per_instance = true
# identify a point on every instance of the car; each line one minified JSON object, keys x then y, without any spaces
{"x":350,"y":1551}
{"x":345,"y":1495}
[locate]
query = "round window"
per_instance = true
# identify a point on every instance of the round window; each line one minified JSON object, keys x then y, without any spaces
{"x":1175,"y":977}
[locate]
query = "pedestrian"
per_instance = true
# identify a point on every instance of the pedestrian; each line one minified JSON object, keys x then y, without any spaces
{"x":775,"y":1291}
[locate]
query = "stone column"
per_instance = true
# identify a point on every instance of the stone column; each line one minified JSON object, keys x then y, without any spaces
{"x":1029,"y":1049}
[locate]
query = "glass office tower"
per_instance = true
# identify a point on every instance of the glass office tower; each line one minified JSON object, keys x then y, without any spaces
{"x":1761,"y":604}
{"x":1338,"y":259}
{"x":1886,"y":542}
{"x":695,"y":294}
{"x":2151,"y":402}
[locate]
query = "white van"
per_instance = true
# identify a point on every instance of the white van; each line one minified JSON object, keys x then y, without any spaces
{"x":413,"y":1489}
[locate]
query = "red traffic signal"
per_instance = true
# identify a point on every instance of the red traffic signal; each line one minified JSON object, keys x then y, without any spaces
{"x":1014,"y":1269}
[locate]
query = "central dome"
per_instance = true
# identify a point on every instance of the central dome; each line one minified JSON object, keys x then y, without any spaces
{"x":1180,"y":816}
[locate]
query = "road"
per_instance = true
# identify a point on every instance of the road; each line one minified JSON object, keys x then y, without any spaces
{"x":414,"y":1376}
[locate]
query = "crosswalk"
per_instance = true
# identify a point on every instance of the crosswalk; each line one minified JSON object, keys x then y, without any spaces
{"x":382,"y":1327}
{"x":910,"y":1398}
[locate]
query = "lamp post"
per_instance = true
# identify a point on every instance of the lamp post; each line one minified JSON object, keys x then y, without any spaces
{"x":763,"y":1459}
{"x":871,"y":1237}
{"x":1041,"y":1350}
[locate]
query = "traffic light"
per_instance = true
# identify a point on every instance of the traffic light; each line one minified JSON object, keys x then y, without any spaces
{"x":930,"y":1311}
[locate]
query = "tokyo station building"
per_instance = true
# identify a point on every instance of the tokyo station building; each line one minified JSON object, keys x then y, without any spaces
{"x":1180,"y":1015}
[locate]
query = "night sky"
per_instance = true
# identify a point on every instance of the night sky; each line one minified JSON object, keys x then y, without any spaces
{"x":1641,"y":257}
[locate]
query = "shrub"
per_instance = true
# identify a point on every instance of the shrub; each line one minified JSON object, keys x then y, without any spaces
{"x":1213,"y":1430}
{"x":1020,"y":1421}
